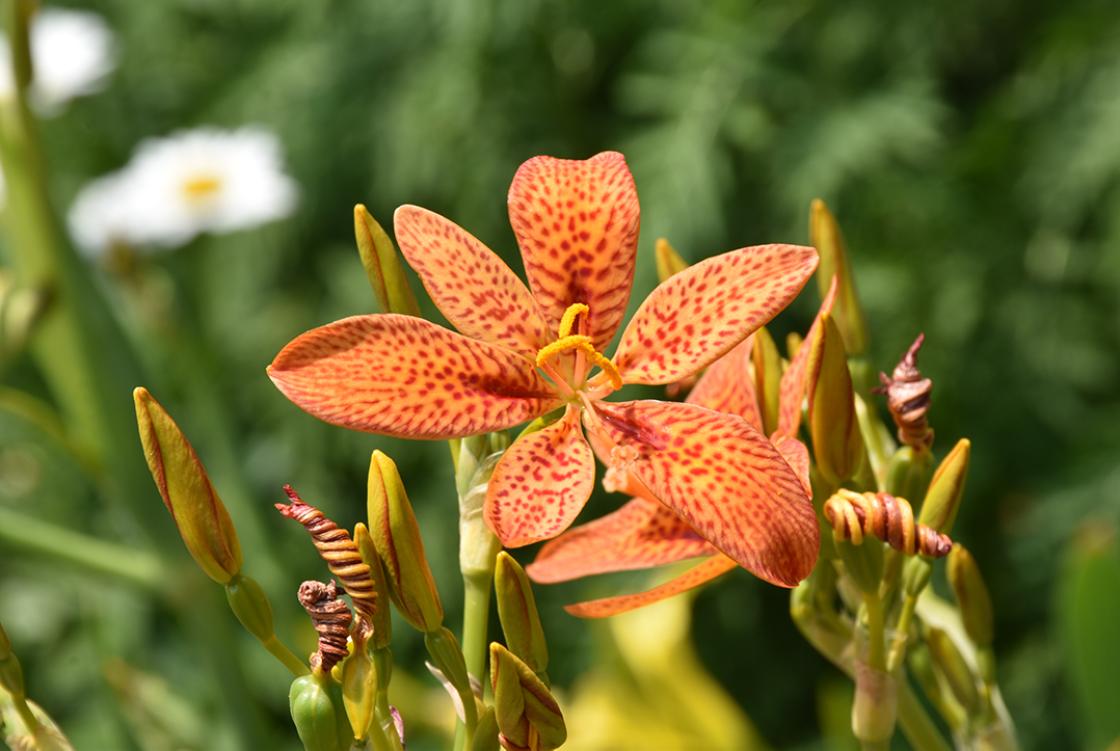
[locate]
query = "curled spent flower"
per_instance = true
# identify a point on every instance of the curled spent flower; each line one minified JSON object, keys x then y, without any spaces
{"x":525,"y":351}
{"x":331,"y":618}
{"x":336,"y":547}
{"x":882,"y":515}
{"x":908,"y":398}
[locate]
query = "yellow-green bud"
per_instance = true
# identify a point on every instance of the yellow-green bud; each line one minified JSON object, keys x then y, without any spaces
{"x":486,"y":734}
{"x":251,"y":606}
{"x":669,"y":262}
{"x":825,"y":236}
{"x":383,"y":265}
{"x":198,"y":512}
{"x":953,"y":668}
{"x":517,"y":611}
{"x":396,"y":536}
{"x":521,"y":701}
{"x":909,"y":471}
{"x":837,"y":441}
{"x":359,"y":688}
{"x":319,"y":721}
{"x":767,"y":377}
{"x":972,"y":596}
{"x":915,"y":575}
{"x":943,"y":499}
{"x":382,"y":618}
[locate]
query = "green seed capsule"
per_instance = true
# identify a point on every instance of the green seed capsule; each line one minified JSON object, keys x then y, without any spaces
{"x":321,"y":724}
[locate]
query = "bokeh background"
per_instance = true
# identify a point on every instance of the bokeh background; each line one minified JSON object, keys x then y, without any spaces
{"x":970,"y":150}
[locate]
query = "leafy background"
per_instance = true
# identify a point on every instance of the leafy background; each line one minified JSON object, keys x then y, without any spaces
{"x":971,"y":152}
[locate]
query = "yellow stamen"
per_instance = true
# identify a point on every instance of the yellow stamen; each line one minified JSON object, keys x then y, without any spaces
{"x":583,"y":343}
{"x":569,"y":318}
{"x":201,"y":186}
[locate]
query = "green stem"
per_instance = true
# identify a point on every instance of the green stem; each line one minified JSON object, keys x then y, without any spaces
{"x":476,"y":623}
{"x":902,"y":629}
{"x":876,"y":649}
{"x":916,"y":724}
{"x":287,"y":657}
{"x":32,"y":535}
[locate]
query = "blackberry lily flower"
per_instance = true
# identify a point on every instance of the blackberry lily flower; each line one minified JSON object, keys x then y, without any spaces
{"x":644,"y":533}
{"x":521,"y":354}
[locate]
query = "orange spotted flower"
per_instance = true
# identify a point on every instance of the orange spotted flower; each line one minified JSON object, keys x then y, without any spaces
{"x":523,"y":352}
{"x":644,"y":533}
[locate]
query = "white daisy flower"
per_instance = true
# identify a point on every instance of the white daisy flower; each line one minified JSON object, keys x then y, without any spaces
{"x":72,"y":54}
{"x":175,"y":188}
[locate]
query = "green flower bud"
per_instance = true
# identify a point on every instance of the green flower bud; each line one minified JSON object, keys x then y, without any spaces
{"x":521,"y":701}
{"x":972,"y":596}
{"x":517,"y":611}
{"x":486,"y":734}
{"x":669,"y":261}
{"x":909,"y":471}
{"x":382,"y":619}
{"x":198,"y":512}
{"x":833,"y":426}
{"x":953,"y":668}
{"x":359,"y":688}
{"x":767,"y":377}
{"x":251,"y":606}
{"x":825,"y":236}
{"x":447,"y":658}
{"x":320,"y":723}
{"x":943,"y":499}
{"x":915,"y":575}
{"x":383,"y":265}
{"x":396,"y":535}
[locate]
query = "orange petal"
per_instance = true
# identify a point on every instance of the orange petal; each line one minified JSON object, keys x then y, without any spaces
{"x":577,"y":224}
{"x":403,"y":376}
{"x":694,"y":577}
{"x":541,"y":483}
{"x":469,"y":283}
{"x":722,"y":477}
{"x":641,"y":534}
{"x":797,"y":457}
{"x":792,"y":388}
{"x":727,"y":386}
{"x":699,"y":314}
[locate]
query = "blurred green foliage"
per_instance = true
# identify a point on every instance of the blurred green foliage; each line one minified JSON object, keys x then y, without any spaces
{"x":971,"y":152}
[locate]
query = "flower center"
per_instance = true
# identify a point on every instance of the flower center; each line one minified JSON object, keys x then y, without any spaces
{"x":201,"y":187}
{"x":566,"y":341}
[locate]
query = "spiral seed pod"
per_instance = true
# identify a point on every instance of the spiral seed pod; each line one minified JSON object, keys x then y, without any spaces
{"x":331,"y":618}
{"x":339,"y":551}
{"x":881,"y":515}
{"x":908,"y":398}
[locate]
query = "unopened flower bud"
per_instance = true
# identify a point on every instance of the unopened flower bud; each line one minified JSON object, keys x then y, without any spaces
{"x":837,"y":442}
{"x":909,"y":471}
{"x":825,"y":236}
{"x":198,"y":512}
{"x":382,"y":621}
{"x":972,"y":596}
{"x":321,"y":724}
{"x":517,"y":611}
{"x":953,"y":668}
{"x":669,"y":261}
{"x":396,"y":535}
{"x":915,"y":575}
{"x":251,"y":606}
{"x":946,"y":489}
{"x":767,"y":378}
{"x":383,"y":265}
{"x":521,"y":701}
{"x":359,"y":688}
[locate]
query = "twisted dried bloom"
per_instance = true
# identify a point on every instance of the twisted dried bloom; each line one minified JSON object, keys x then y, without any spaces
{"x":882,"y":515}
{"x":331,"y":618}
{"x":908,"y":398}
{"x":524,"y":352}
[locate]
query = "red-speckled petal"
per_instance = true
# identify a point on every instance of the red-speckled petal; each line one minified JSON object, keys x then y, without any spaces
{"x":695,"y":316}
{"x":541,"y":483}
{"x":791,"y":391}
{"x":469,"y":283}
{"x":723,"y":477}
{"x":403,"y":376}
{"x":796,"y":456}
{"x":577,"y":224}
{"x":694,"y":577}
{"x":727,"y":386}
{"x":641,"y":534}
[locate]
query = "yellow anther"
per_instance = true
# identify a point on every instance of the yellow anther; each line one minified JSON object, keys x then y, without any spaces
{"x":564,"y":344}
{"x":569,"y":318}
{"x":607,"y":366}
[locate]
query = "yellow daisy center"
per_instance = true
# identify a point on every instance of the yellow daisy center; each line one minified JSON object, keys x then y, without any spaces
{"x":201,"y":187}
